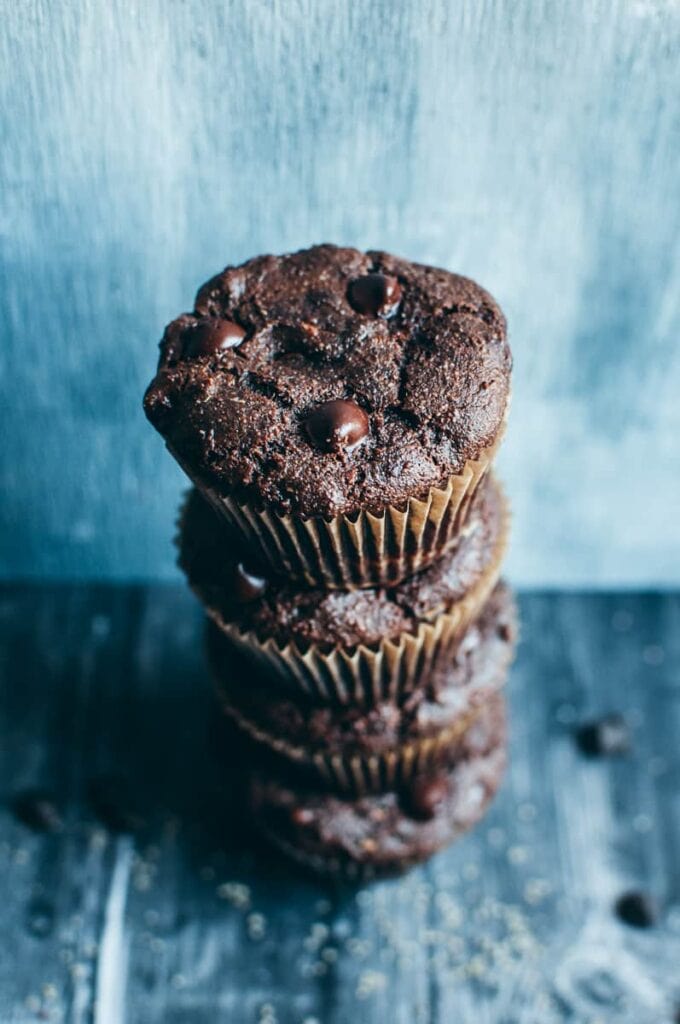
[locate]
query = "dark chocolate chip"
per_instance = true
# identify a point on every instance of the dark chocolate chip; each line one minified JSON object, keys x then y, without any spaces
{"x":40,"y":918}
{"x":608,"y":736}
{"x":637,"y":909}
{"x":377,"y":294}
{"x":37,"y":809}
{"x":211,"y":337}
{"x":301,"y":816}
{"x":335,"y":425}
{"x":247,"y":585}
{"x":112,"y":801}
{"x":425,"y":797}
{"x":504,"y":632}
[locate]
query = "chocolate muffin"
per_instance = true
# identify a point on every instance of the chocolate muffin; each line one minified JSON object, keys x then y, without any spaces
{"x":338,"y":407}
{"x":385,"y":833}
{"x":361,"y":645}
{"x":368,"y":749}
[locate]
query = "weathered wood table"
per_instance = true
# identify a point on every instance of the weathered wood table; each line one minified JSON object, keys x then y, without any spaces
{"x":179,"y":917}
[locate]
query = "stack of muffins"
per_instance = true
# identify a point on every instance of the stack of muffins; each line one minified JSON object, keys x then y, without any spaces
{"x":337,"y":413}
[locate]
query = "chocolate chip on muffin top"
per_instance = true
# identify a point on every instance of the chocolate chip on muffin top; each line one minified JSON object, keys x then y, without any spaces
{"x":332,"y":380}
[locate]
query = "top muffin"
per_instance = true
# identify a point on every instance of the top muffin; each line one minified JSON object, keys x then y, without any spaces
{"x":331,"y":381}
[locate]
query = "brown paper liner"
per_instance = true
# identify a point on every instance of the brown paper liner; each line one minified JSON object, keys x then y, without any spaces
{"x":343,"y":866}
{"x":361,"y":774}
{"x":363,"y":550}
{"x":368,"y":674}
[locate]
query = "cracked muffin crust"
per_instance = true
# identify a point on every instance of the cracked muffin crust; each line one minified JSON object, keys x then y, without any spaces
{"x":330,"y":381}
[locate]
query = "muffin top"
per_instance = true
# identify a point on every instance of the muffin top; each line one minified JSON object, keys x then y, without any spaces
{"x":331,"y":380}
{"x":240,"y":594}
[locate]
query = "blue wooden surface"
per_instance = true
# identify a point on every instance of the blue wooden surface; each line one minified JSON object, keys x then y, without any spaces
{"x":189,"y":922}
{"x":534,"y":146}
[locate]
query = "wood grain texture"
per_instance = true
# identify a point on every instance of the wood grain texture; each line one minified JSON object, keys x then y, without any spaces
{"x":190,"y":922}
{"x":534,"y":146}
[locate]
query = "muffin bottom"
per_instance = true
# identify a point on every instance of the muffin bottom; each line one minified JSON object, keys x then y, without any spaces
{"x":382,"y":834}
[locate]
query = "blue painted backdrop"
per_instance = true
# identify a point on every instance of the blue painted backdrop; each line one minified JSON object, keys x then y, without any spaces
{"x":532,"y":145}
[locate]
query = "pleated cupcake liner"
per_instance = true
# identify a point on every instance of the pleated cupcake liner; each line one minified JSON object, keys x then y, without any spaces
{"x":366,"y":674}
{"x":362,"y":773}
{"x":360,"y":550}
{"x":341,"y":865}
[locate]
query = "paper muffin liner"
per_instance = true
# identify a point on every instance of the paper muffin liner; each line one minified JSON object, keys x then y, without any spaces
{"x":365,"y":674}
{"x":362,"y":773}
{"x":361,"y":550}
{"x":341,"y":864}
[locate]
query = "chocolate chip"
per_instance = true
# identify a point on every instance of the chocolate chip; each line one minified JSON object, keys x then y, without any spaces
{"x":301,"y":816}
{"x":211,"y":337}
{"x":36,"y":809}
{"x":40,"y":918}
{"x":112,"y":801}
{"x":504,"y":632}
{"x":637,"y":909}
{"x":425,"y":797}
{"x":377,"y":294}
{"x":247,"y":585}
{"x":608,"y":736}
{"x":335,"y":425}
